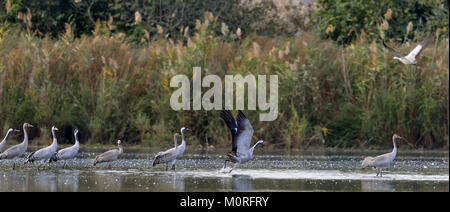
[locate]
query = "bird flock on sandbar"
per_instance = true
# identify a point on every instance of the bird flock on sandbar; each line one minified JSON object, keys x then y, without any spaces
{"x":241,"y":137}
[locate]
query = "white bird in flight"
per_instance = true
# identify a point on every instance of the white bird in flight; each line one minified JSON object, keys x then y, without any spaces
{"x":410,"y":59}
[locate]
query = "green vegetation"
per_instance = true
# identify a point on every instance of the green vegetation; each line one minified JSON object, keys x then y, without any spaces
{"x":344,"y":21}
{"x":111,"y":80}
{"x":135,"y":18}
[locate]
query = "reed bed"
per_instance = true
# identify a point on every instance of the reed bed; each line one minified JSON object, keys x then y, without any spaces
{"x":329,"y":95}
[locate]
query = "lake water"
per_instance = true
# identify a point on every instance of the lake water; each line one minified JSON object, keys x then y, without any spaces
{"x":199,"y":171}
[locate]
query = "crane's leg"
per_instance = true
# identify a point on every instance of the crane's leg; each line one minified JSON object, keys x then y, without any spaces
{"x":167,"y":166}
{"x":14,"y":164}
{"x":64,"y":165}
{"x":379,"y":172}
{"x":173,"y":164}
{"x":234,"y":167}
{"x":109,"y":166}
{"x":225,"y":164}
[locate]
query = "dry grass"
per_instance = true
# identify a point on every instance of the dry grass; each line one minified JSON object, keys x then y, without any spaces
{"x":328,"y":95}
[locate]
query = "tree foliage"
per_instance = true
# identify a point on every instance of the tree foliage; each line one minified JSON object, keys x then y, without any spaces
{"x":130,"y":17}
{"x":345,"y":20}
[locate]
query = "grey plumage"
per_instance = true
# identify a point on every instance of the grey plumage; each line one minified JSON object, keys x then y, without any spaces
{"x":19,"y":149}
{"x":168,"y":155}
{"x":67,"y":153}
{"x":109,"y":156}
{"x":46,"y":152}
{"x":241,"y":133}
{"x":382,"y":161}
{"x":8,"y":133}
{"x":171,"y":155}
{"x":410,"y":59}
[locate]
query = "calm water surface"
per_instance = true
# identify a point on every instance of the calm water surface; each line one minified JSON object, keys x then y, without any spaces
{"x":199,"y":171}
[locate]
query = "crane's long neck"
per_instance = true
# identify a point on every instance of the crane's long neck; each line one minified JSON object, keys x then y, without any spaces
{"x":394,"y":141}
{"x":6,"y":137}
{"x":25,"y":137}
{"x":55,"y":141}
{"x":77,"y":142}
{"x":175,"y":140}
{"x":183,"y":142}
{"x":120,"y":149}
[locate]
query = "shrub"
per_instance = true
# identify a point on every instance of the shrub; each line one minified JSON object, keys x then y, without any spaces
{"x":344,"y":21}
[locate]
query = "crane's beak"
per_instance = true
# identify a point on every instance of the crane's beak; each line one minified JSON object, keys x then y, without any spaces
{"x":16,"y":131}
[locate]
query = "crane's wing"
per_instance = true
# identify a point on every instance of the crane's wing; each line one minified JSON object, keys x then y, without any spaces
{"x":244,"y":134}
{"x":368,"y":162}
{"x":66,"y":153}
{"x":232,"y":125}
{"x":392,"y":50}
{"x":11,"y":152}
{"x":416,"y":51}
{"x":13,"y":149}
{"x":108,"y":156}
